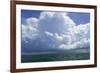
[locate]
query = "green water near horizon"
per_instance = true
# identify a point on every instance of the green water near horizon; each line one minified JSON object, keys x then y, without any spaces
{"x":55,"y":57}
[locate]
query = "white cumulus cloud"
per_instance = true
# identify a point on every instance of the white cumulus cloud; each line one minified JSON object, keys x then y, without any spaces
{"x":56,"y":30}
{"x":29,"y":30}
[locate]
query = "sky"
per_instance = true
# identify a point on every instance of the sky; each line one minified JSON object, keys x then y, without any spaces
{"x":77,"y":17}
{"x":50,"y":30}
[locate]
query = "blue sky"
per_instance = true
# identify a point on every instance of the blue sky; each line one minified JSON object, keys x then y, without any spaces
{"x":77,"y":17}
{"x":43,"y":30}
{"x":29,"y":13}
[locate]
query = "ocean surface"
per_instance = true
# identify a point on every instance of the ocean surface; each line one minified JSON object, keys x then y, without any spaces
{"x":63,"y":55}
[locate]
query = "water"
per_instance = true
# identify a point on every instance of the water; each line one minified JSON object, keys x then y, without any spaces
{"x":54,"y":56}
